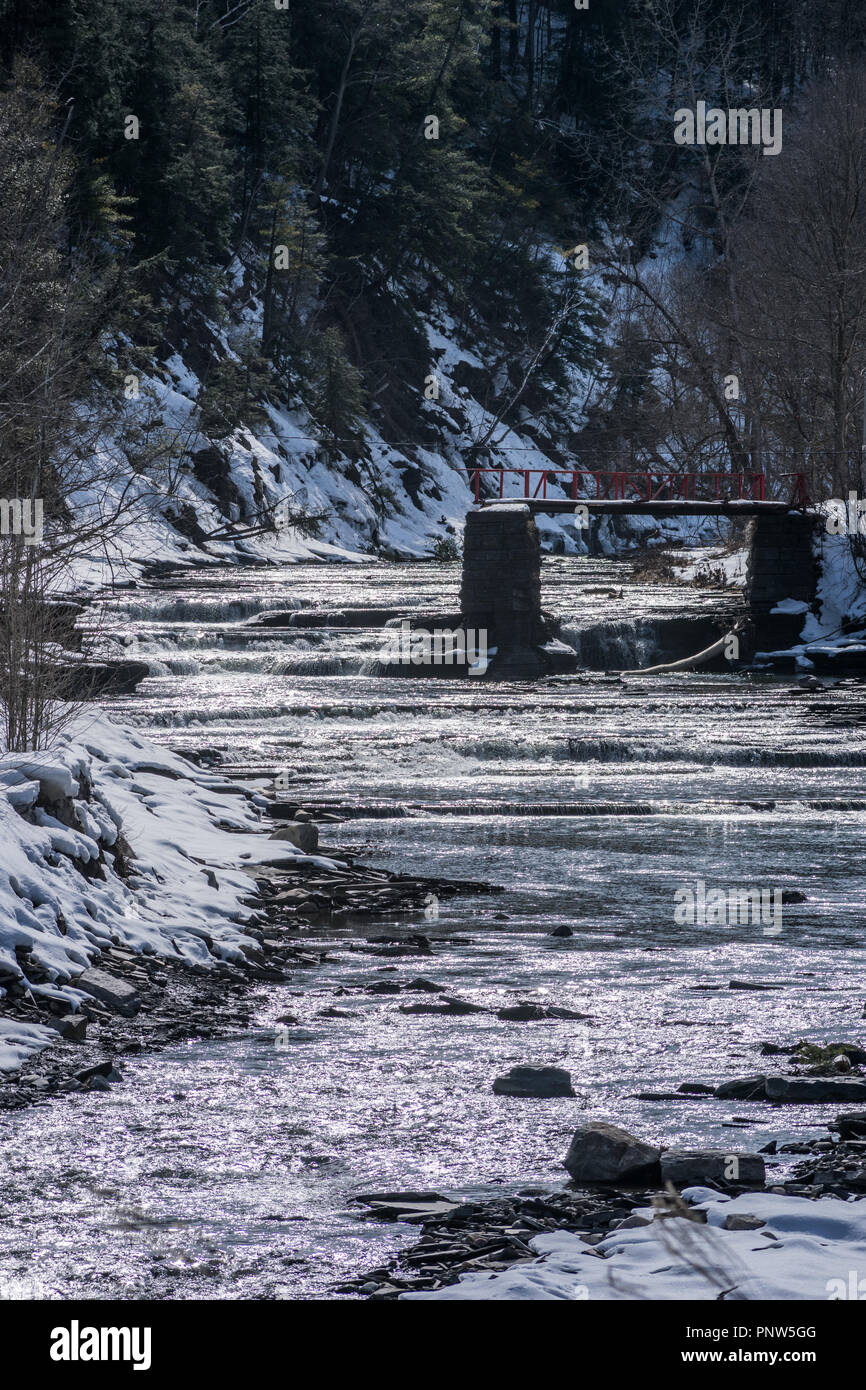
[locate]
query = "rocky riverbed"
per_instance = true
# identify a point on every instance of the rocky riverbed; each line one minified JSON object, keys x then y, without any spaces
{"x":459,"y":1238}
{"x":137,"y":1003}
{"x":365,"y":1029}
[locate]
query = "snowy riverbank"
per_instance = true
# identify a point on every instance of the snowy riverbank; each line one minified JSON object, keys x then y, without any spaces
{"x":756,"y":1246}
{"x":112,"y":841}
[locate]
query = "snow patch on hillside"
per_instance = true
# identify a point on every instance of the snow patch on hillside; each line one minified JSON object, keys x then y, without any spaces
{"x":390,"y":500}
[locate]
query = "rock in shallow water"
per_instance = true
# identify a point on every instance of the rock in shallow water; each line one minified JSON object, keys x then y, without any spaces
{"x":541,"y":1082}
{"x":814,"y":1089}
{"x":533,"y":1013}
{"x":743,"y":1088}
{"x":446,"y":1006}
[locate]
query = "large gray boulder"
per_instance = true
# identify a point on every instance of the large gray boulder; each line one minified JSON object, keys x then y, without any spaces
{"x":815,"y":1089}
{"x":602,"y":1153}
{"x":301,"y":834}
{"x":694,"y":1167}
{"x":109,"y":990}
{"x":543,"y":1082}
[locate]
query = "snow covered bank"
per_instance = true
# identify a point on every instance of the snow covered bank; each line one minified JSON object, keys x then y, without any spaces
{"x":795,"y":1249}
{"x":108,"y":840}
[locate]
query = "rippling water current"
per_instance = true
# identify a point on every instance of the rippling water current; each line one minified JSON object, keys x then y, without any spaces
{"x":223,"y":1169}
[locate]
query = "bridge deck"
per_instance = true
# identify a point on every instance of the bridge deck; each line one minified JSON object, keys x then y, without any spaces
{"x":597,"y":506}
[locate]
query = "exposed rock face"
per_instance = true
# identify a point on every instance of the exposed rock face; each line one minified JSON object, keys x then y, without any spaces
{"x":693,"y":1167}
{"x":88,"y":680}
{"x":602,"y":1153}
{"x":542,"y":1082}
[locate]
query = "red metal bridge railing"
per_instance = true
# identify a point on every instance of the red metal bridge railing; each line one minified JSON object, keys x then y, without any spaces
{"x":644,"y":487}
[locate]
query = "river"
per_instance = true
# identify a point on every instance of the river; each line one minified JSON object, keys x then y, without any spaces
{"x":223,"y":1168}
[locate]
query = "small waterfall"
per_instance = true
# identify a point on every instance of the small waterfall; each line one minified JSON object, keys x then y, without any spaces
{"x":629,"y":644}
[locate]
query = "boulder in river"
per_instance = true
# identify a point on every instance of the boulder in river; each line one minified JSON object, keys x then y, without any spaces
{"x":531,"y":1013}
{"x":695,"y":1167}
{"x":561,"y":930}
{"x":444,"y":1006}
{"x":522,"y":1013}
{"x":603,"y":1153}
{"x":851,"y":1126}
{"x":543,"y":1082}
{"x":743,"y":1088}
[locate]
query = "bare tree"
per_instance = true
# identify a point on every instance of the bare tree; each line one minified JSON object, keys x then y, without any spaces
{"x":800,"y":268}
{"x":78,"y":443}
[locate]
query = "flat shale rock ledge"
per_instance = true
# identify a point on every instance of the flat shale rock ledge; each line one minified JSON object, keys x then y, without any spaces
{"x":540,"y":1082}
{"x":794,"y":1090}
{"x":695,"y":1168}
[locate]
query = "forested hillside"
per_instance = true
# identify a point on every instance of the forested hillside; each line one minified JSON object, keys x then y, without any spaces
{"x":306,"y":262}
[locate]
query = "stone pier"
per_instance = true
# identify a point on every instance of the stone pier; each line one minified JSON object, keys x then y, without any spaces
{"x":501,"y":587}
{"x":781,"y":566}
{"x":501,"y":593}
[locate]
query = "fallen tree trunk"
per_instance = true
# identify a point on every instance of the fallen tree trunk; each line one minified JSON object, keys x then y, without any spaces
{"x":687,"y":662}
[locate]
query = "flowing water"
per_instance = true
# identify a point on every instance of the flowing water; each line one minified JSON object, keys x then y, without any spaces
{"x":223,"y":1169}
